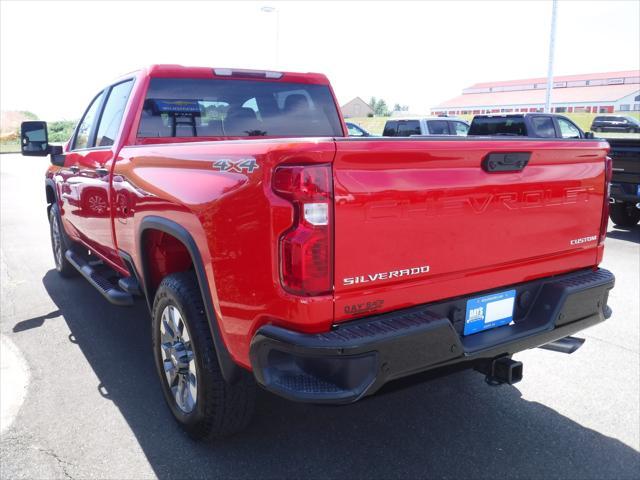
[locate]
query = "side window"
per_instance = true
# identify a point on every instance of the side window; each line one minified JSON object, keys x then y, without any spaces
{"x":85,"y":127}
{"x":438,"y":127}
{"x":408,"y":127}
{"x":543,"y":127}
{"x":112,"y":114}
{"x":568,"y":129}
{"x":353,"y":130}
{"x":390,"y":128}
{"x":460,"y":128}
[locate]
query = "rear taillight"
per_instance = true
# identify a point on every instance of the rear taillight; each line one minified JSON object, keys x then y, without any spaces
{"x":306,"y":249}
{"x":604,"y":221}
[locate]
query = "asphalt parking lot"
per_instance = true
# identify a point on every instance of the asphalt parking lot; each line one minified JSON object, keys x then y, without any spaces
{"x":94,"y":408}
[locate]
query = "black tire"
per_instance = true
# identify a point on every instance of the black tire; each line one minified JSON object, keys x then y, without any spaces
{"x":624,"y":214}
{"x":220,"y":409}
{"x":60,"y":243}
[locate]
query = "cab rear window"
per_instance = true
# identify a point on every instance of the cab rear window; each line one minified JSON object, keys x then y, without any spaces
{"x":498,"y":126}
{"x":237,"y":108}
{"x":401,"y":128}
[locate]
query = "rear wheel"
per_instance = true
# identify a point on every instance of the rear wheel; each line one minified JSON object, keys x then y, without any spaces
{"x":59,"y":243}
{"x":624,"y":214}
{"x":202,"y":402}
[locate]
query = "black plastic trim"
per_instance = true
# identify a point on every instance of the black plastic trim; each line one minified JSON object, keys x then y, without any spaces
{"x":110,"y":291}
{"x":230,"y":370}
{"x":131,"y":284}
{"x":48,"y":182}
{"x":497,"y":162}
{"x":319,"y":368}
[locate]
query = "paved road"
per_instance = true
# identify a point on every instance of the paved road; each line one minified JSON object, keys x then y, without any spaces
{"x":94,"y":407}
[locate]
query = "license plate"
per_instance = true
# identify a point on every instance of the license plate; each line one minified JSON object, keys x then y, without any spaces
{"x":489,"y":311}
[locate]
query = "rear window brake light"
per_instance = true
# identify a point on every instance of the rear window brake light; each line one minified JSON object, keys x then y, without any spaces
{"x":229,"y":72}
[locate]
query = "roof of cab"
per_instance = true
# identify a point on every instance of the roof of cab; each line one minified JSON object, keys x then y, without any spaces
{"x":518,"y":115}
{"x":181,"y":71}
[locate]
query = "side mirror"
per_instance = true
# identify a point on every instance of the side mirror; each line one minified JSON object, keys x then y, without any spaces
{"x":34,"y":140}
{"x":588,"y":135}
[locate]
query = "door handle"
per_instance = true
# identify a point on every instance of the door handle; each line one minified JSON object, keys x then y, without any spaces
{"x":102,"y":171}
{"x":74,"y":168}
{"x":505,"y":161}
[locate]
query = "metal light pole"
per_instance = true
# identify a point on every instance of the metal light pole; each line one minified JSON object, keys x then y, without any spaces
{"x":268,"y":9}
{"x":552,"y":44}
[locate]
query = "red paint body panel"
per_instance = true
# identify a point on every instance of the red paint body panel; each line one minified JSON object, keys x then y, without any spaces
{"x":398,"y":204}
{"x":235,"y":220}
{"x":429,"y":203}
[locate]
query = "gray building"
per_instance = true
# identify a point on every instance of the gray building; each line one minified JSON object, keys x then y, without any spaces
{"x":356,"y":108}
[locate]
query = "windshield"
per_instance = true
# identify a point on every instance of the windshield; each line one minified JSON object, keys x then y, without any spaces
{"x":237,"y":108}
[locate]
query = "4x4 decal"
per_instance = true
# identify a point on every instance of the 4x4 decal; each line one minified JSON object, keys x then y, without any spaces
{"x":241,"y":165}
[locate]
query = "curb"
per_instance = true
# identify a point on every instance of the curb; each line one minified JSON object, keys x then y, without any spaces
{"x":14,"y":380}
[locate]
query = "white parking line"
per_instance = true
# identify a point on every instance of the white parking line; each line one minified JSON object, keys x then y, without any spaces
{"x":14,"y":380}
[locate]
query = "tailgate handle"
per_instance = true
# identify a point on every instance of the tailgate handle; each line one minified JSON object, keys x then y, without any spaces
{"x":505,"y":162}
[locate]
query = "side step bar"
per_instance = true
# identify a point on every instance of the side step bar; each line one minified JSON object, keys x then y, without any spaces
{"x":110,"y":291}
{"x":130,"y":285}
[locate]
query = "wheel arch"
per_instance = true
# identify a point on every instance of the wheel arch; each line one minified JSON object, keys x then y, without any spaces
{"x":50,"y":192}
{"x":230,"y":370}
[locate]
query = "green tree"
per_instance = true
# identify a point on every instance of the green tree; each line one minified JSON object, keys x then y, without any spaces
{"x":29,"y":115}
{"x":379,"y":107}
{"x":61,"y":130}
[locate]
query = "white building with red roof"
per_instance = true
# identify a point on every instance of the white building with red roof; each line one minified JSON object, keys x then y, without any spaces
{"x":595,"y":92}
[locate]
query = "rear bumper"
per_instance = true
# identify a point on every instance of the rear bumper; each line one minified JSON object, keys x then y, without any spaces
{"x":356,"y":358}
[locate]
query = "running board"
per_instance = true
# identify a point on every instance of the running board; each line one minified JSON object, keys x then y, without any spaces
{"x":130,"y":285}
{"x":110,"y":291}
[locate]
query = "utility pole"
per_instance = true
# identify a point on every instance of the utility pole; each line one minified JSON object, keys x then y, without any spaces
{"x":552,"y":44}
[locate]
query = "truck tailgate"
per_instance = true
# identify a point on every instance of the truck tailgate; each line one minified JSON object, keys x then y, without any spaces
{"x":420,"y":220}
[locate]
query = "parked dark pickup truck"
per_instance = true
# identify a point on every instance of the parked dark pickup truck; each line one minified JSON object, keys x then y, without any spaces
{"x":625,"y":182}
{"x":534,"y":125}
{"x":273,"y":249}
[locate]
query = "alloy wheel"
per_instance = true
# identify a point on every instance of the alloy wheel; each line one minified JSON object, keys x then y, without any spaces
{"x":178,"y":359}
{"x":56,"y":241}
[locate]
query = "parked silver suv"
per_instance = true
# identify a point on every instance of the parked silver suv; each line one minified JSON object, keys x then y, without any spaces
{"x":406,"y":127}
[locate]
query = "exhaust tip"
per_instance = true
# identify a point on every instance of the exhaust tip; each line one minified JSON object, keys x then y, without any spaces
{"x":564,"y":345}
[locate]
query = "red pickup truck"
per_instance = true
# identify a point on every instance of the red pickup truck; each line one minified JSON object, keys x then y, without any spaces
{"x":273,"y":249}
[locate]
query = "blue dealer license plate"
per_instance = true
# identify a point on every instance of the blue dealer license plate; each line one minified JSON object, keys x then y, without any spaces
{"x":489,"y":311}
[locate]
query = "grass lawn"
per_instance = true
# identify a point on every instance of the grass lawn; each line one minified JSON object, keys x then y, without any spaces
{"x":375,"y":125}
{"x":9,"y":147}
